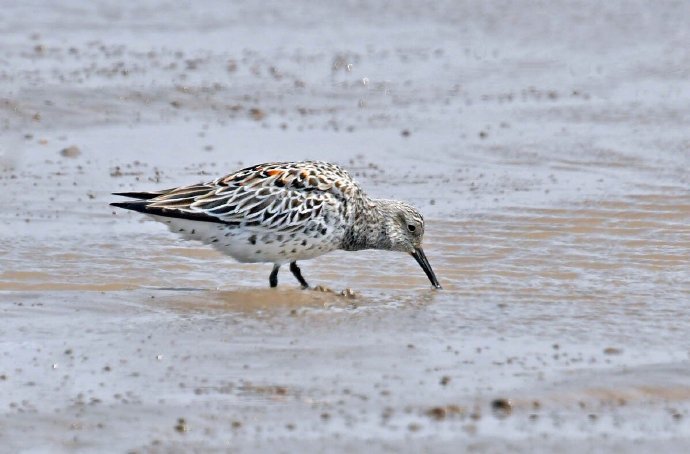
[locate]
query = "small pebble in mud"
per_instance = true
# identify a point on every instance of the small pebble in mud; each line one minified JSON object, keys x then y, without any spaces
{"x":405,"y":133}
{"x":70,"y":152}
{"x":257,"y":114}
{"x":280,"y":390}
{"x":440,"y":413}
{"x":325,"y":416}
{"x":502,"y":407}
{"x":181,"y":425}
{"x":236,"y":424}
{"x":612,"y":351}
{"x":437,"y":413}
{"x":445,"y":380}
{"x":483,"y":135}
{"x":321,"y":288}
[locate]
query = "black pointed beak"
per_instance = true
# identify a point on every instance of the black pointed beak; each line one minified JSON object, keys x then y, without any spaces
{"x":419,"y":256}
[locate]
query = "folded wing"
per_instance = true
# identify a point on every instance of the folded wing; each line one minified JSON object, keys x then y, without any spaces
{"x":278,"y":196}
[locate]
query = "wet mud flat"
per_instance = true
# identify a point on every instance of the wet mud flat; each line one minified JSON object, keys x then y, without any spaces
{"x":552,"y":172}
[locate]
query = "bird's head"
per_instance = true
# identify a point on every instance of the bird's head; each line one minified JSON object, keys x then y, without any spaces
{"x":404,"y":226}
{"x":404,"y":229}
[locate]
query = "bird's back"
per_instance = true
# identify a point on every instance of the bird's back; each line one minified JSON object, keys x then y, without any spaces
{"x":273,"y":212}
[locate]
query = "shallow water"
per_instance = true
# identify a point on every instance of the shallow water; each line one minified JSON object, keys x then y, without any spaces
{"x":552,"y":175}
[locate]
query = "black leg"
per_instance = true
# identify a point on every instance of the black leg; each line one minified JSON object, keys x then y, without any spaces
{"x":273,"y":278}
{"x":298,"y":274}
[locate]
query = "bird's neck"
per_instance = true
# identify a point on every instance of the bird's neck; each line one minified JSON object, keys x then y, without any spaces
{"x":369,"y":229}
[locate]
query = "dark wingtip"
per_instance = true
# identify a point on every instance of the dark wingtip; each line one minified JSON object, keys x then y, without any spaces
{"x":139,"y":195}
{"x":144,"y":206}
{"x":136,"y":206}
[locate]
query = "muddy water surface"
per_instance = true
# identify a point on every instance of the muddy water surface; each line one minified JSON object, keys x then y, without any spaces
{"x":554,"y":184}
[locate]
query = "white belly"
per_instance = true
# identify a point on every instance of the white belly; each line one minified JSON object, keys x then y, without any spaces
{"x":253,"y":244}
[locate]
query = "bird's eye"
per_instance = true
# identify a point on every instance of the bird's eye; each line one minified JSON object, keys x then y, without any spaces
{"x":411,"y":228}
